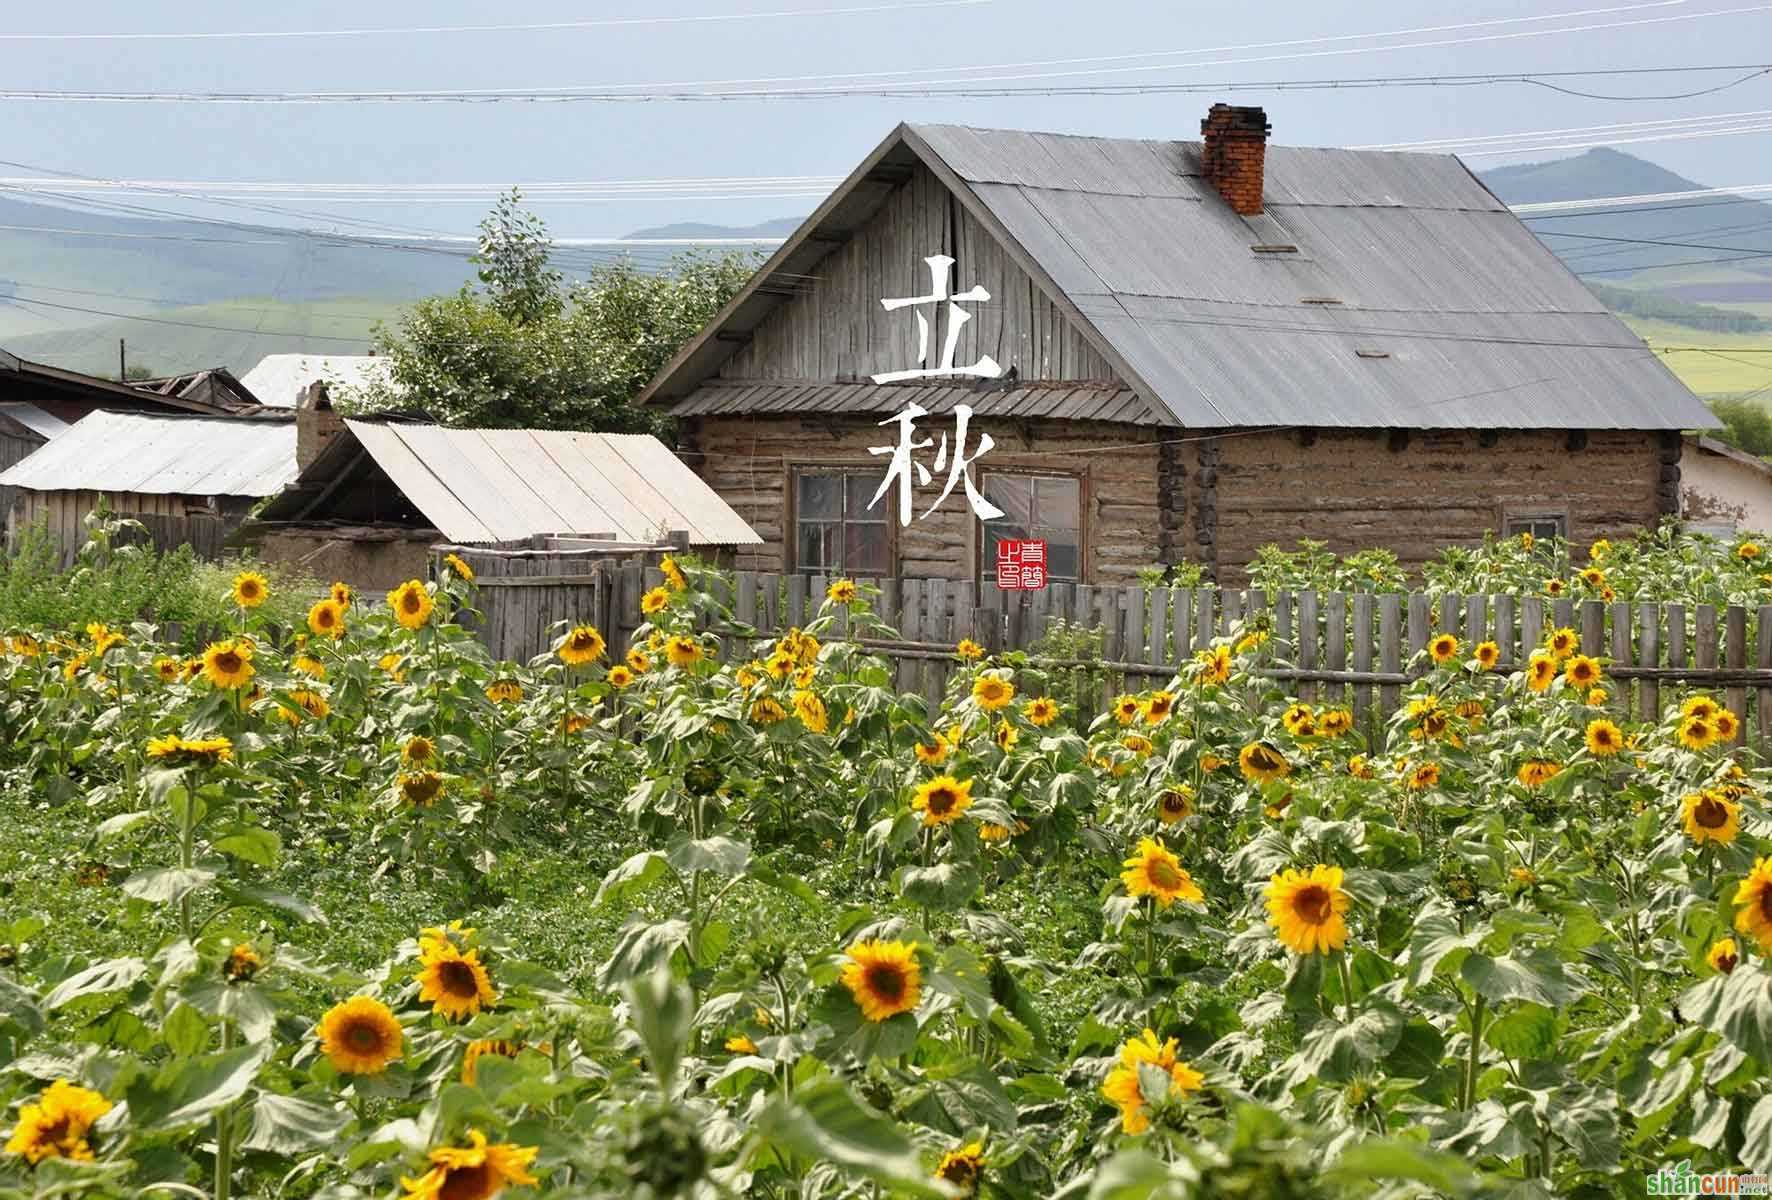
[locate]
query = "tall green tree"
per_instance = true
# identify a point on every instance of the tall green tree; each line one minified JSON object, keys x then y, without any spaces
{"x":523,"y":349}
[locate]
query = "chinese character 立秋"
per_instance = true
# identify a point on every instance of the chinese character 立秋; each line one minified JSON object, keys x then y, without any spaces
{"x":940,"y":266}
{"x":900,"y":468}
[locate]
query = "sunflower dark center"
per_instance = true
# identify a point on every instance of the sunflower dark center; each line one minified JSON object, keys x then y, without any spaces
{"x":457,"y":978}
{"x":1163,"y":875}
{"x":886,"y":980}
{"x":469,"y":1183}
{"x":1766,"y":903}
{"x":960,"y":1171}
{"x":227,"y":661}
{"x":942,"y":800}
{"x":410,"y":602}
{"x":363,"y":1038}
{"x":1313,"y":903}
{"x":1174,"y":802}
{"x":1264,"y":759}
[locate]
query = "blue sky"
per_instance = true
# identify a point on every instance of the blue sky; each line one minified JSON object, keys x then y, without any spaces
{"x":505,"y":143}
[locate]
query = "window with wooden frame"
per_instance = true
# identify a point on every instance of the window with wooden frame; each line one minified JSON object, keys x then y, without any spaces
{"x":1543,"y":526}
{"x":1046,"y":508}
{"x":834,"y":530}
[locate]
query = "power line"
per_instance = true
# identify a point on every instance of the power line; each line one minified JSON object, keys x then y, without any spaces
{"x":1620,"y":127}
{"x":532,"y":27}
{"x":1610,"y":201}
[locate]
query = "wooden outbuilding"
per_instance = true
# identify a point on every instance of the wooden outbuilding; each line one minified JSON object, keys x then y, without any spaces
{"x":1178,"y":350}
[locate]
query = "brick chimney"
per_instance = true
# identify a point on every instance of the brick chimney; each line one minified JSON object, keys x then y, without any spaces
{"x":1234,"y":153}
{"x":315,"y":423}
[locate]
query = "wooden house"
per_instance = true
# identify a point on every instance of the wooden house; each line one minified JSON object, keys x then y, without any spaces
{"x":1179,"y":350}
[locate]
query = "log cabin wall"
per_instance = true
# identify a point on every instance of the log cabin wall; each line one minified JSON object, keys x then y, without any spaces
{"x":834,"y":327}
{"x":750,"y":460}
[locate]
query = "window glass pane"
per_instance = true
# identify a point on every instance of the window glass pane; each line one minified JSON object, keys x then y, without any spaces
{"x":818,"y":546}
{"x":821,"y":497}
{"x":1014,"y":494}
{"x":861,"y":490}
{"x":867,"y":550}
{"x":1062,"y":560}
{"x":1057,"y":503}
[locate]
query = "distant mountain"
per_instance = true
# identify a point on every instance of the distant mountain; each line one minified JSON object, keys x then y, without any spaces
{"x":777,"y":228}
{"x":1712,"y":228}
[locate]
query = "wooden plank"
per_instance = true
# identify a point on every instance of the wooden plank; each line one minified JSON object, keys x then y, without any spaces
{"x":1419,"y":631}
{"x":1232,"y":602}
{"x":1735,"y":658}
{"x":1563,"y":612}
{"x":1362,"y":638}
{"x":1157,"y":644}
{"x":1284,"y":635}
{"x":910,"y":627}
{"x":1447,"y":621}
{"x":1531,"y":626}
{"x":1180,"y":629}
{"x":1677,"y":655}
{"x":1308,"y":633}
{"x":1205,"y":621}
{"x":1133,"y":604}
{"x":1763,"y":660}
{"x":1335,"y":645}
{"x":1622,"y":646}
{"x":746,"y":610}
{"x":936,"y":628}
{"x":1505,"y":632}
{"x":1476,"y":621}
{"x":1649,"y":655}
{"x":796,"y":603}
{"x":1593,"y":628}
{"x":768,"y":603}
{"x":1390,"y":650}
{"x":1704,"y":641}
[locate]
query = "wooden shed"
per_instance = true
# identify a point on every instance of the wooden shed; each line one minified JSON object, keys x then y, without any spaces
{"x":1178,"y":349}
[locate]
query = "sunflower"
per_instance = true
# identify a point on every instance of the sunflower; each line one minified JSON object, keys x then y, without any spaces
{"x":251,"y":589}
{"x":341,"y":594}
{"x":655,"y":601}
{"x":72,"y":668}
{"x":1137,"y":743}
{"x":1541,"y":671}
{"x":418,"y":751}
{"x":1157,"y":707}
{"x":478,"y":1171}
{"x":573,"y":723}
{"x":1536,"y":772}
{"x":1000,"y":833}
{"x":1604,"y":739}
{"x":1702,"y":707}
{"x":1334,"y":722}
{"x":933,"y":752}
{"x":1306,"y":909}
{"x":228,"y":664}
{"x":1562,"y":643}
{"x":740,"y":1044}
{"x":1581,"y":671}
{"x":1722,"y":956}
{"x":1155,"y":872}
{"x":304,"y":701}
{"x":56,"y":1125}
{"x":1696,"y":733}
{"x":1261,"y":763}
{"x":1175,"y":804}
{"x":1126,"y":708}
{"x":104,"y":638}
{"x":1360,"y":767}
{"x":412,"y":604}
{"x":360,"y":1036}
{"x":504,"y":691}
{"x":1754,"y":899}
{"x":1593,"y":577}
{"x":243,"y":962}
{"x":1423,"y":777}
{"x":768,"y":711}
{"x":420,"y":788}
{"x":1747,"y":551}
{"x":1710,"y":816}
{"x":308,"y":665}
{"x":841,"y":591}
{"x":1443,"y":648}
{"x":803,"y":676}
{"x":583,"y":645}
{"x":1527,"y":541}
{"x":168,"y":669}
{"x":1554,"y":587}
{"x":683,"y":651}
{"x":462,"y":571}
{"x":961,"y":1168}
{"x":638,"y":662}
{"x":942,"y":799}
{"x":1211,"y":762}
{"x":1006,"y":735}
{"x":1214,"y":665}
{"x":1124,"y":1085}
{"x":1596,"y":697}
{"x":780,"y":665}
{"x":1252,"y":641}
{"x":1728,"y":725}
{"x":811,"y":711}
{"x":178,"y":751}
{"x":1487,"y":655}
{"x":1300,"y":720}
{"x":391,"y":664}
{"x":454,"y":984}
{"x":992,"y":693}
{"x":884,"y":977}
{"x":620,"y":675}
{"x":1040,"y":711}
{"x":1471,"y":711}
{"x":969,"y":650}
{"x":479,"y":1048}
{"x":673,"y":574}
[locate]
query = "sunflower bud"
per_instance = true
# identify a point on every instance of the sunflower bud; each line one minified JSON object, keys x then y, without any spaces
{"x":243,"y":962}
{"x":8,"y":954}
{"x":664,"y":1154}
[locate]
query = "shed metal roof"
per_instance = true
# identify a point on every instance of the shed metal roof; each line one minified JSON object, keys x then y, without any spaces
{"x":277,"y":379}
{"x":1413,"y":299}
{"x":497,"y":485}
{"x":162,"y":454}
{"x":45,"y":425}
{"x":1080,"y":402}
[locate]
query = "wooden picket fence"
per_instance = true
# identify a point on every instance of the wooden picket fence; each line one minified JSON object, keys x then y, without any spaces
{"x":1331,"y":648}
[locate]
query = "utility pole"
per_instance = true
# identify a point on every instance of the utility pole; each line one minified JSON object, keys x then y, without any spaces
{"x":122,"y":363}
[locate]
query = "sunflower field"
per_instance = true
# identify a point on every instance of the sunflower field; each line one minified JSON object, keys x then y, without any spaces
{"x":355,"y":911}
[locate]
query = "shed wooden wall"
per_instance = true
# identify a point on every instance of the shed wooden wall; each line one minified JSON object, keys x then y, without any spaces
{"x":835,"y":327}
{"x":1154,"y":496}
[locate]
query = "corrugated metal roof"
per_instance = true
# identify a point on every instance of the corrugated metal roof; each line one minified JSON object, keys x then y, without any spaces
{"x":497,"y":485}
{"x":1069,"y":401}
{"x":158,"y":454}
{"x":279,"y":378}
{"x":1467,"y":320}
{"x":33,"y":418}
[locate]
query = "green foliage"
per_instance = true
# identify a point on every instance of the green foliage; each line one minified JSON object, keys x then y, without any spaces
{"x":1658,"y":307}
{"x":525,"y":351}
{"x":1747,"y":425}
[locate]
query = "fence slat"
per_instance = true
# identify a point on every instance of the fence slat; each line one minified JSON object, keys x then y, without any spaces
{"x":1593,"y":628}
{"x":1180,"y":631}
{"x":1735,"y":658}
{"x":1156,"y":645}
{"x":1531,"y":626}
{"x":1390,"y":650}
{"x":1204,"y":623}
{"x":1307,"y":642}
{"x":1649,"y":655}
{"x":1504,"y":629}
{"x":1335,"y":642}
{"x":1363,"y":662}
{"x":1621,"y":653}
{"x":1763,"y":660}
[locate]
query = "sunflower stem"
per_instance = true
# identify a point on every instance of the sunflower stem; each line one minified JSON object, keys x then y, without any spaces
{"x":1347,"y":986}
{"x":1472,"y":1067}
{"x":1150,"y":946}
{"x":224,"y":1130}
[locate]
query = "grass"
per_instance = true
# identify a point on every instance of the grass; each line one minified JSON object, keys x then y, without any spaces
{"x":1712,"y":374}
